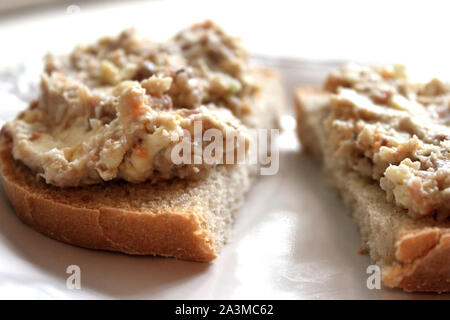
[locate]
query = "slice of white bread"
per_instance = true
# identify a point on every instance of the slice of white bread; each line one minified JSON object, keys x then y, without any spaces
{"x":186,"y":219}
{"x":412,"y":254}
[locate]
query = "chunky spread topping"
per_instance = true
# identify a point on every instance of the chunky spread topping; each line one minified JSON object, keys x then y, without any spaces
{"x":397,"y":132}
{"x":117,"y":108}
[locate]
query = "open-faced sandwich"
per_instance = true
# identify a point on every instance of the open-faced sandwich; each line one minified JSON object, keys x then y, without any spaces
{"x":91,"y":161}
{"x":384,"y":142}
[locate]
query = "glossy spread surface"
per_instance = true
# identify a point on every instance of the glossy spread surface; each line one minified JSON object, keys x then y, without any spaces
{"x":118,"y":107}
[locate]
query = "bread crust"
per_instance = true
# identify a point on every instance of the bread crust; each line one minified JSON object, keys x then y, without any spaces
{"x":172,"y":232}
{"x":429,"y":270}
{"x":421,"y":259}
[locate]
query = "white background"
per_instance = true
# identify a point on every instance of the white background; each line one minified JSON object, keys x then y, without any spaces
{"x":383,"y":30}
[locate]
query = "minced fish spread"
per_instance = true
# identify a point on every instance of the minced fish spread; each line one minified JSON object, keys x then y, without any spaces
{"x":116,"y":108}
{"x":394,"y":131}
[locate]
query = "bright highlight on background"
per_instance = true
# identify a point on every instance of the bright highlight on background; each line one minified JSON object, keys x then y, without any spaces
{"x":413,"y":32}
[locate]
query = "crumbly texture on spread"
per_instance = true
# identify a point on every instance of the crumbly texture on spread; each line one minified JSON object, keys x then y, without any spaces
{"x":386,"y":127}
{"x":117,"y":108}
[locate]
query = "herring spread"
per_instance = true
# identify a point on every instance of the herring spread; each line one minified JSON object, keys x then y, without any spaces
{"x":397,"y":132}
{"x":116,"y":108}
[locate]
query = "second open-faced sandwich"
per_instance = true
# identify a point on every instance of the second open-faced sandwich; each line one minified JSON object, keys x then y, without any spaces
{"x":384,"y":142}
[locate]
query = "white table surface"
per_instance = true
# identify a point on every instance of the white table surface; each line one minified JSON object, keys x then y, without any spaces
{"x":292,"y":239}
